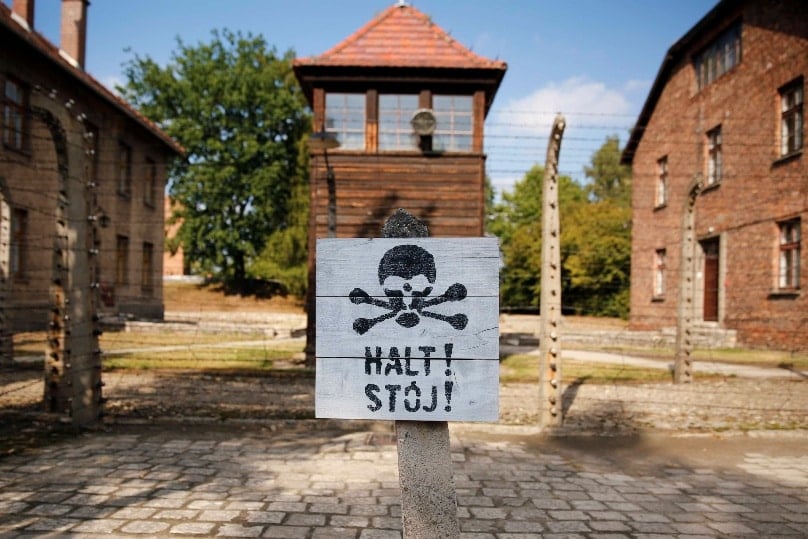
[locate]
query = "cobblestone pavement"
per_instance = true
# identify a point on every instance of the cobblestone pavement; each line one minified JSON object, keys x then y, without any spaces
{"x":310,"y":479}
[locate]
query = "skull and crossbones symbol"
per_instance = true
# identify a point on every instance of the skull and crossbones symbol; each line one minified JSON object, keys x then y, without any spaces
{"x":407,"y":272}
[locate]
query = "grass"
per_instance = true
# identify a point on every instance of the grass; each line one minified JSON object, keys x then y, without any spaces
{"x":737,"y":356}
{"x":523,"y":368}
{"x":262,"y":358}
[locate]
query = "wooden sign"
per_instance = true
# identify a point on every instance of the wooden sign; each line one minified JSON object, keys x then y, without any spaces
{"x":408,"y":329}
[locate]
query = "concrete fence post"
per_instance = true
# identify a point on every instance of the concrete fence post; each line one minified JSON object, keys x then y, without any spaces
{"x":550,"y":409}
{"x":683,"y":362}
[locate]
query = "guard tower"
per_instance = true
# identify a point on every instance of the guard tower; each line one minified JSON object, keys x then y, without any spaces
{"x":406,"y":104}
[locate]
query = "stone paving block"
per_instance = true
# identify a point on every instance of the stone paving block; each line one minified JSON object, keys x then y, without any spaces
{"x":348,"y":521}
{"x":567,"y":526}
{"x":164,"y":503}
{"x":287,"y":532}
{"x":609,"y":526}
{"x":304,"y":519}
{"x":49,"y":509}
{"x":386,"y":523}
{"x":334,"y":533}
{"x":52,"y":525}
{"x":91,"y":512}
{"x":102,"y":525}
{"x":218,"y":515}
{"x":133,"y":513}
{"x":144,"y":527}
{"x":547,"y":502}
{"x":379,"y":534}
{"x":289,"y":507}
{"x":237,"y":530}
{"x":693,"y":529}
{"x":192,"y":528}
{"x":177,"y":514}
{"x":369,"y":510}
{"x":488,"y":513}
{"x":516,"y":526}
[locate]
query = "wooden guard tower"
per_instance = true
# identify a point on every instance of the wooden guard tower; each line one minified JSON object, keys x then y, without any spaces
{"x":407,"y":104}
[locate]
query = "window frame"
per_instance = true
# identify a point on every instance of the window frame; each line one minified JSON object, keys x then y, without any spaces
{"x":715,"y":157}
{"x":395,"y":111}
{"x":150,"y":189}
{"x":147,"y":268}
{"x":121,"y":260}
{"x":789,"y":238}
{"x":124,"y":169}
{"x":720,"y":56}
{"x":345,"y":115}
{"x":791,"y":117}
{"x":16,"y":137}
{"x":662,"y":183}
{"x":453,"y":116}
{"x":18,"y":255}
{"x":660,"y":274}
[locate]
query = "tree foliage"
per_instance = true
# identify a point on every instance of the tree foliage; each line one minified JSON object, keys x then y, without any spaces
{"x":235,"y":106}
{"x":595,"y":224}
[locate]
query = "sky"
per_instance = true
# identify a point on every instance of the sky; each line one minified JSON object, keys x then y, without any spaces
{"x":592,"y":60}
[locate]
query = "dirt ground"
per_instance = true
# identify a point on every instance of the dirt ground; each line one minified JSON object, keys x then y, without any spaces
{"x":283,"y":399}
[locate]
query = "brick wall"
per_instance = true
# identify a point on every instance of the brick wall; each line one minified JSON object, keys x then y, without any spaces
{"x":757,"y":188}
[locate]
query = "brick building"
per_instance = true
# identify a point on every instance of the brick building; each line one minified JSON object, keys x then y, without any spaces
{"x":723,"y":129}
{"x":59,"y":126}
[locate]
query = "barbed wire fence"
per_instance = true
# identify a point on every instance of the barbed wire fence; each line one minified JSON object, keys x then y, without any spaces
{"x":253,"y":344}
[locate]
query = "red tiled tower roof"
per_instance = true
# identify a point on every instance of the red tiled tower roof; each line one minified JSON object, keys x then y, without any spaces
{"x":401,"y":36}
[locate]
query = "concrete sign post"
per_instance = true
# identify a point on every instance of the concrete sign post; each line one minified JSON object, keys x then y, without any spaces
{"x":408,"y":328}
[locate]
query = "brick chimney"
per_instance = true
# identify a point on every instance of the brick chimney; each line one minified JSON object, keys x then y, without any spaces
{"x":23,"y":12}
{"x":74,"y":31}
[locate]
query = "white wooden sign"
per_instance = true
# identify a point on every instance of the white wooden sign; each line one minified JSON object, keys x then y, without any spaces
{"x":408,"y":329}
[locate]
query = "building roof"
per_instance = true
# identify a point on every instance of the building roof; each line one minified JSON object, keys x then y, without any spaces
{"x":673,"y":57}
{"x":51,"y":52}
{"x":402,"y":36}
{"x":401,"y":45}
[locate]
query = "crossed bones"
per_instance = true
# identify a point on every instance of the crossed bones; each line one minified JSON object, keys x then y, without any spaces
{"x":410,"y":318}
{"x":408,"y":263}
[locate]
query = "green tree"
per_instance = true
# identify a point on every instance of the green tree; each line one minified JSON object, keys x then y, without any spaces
{"x":516,"y":220}
{"x":610,"y":180}
{"x":235,"y":106}
{"x":595,"y":224}
{"x":597,"y":238}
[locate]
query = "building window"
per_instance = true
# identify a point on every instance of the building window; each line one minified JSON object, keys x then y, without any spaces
{"x":789,"y":255}
{"x":791,"y":99}
{"x":124,"y":170}
{"x":121,"y":260}
{"x":719,"y":57}
{"x":659,"y":273}
{"x":454,"y":115}
{"x":345,"y":116}
{"x":395,"y":130}
{"x":714,"y":156}
{"x":19,"y":244}
{"x":146,"y":268}
{"x":662,"y":182}
{"x":15,"y":119}
{"x":150,"y":189}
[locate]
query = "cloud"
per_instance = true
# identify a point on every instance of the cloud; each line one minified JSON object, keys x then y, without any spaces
{"x":517,"y":131}
{"x":582,"y":101}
